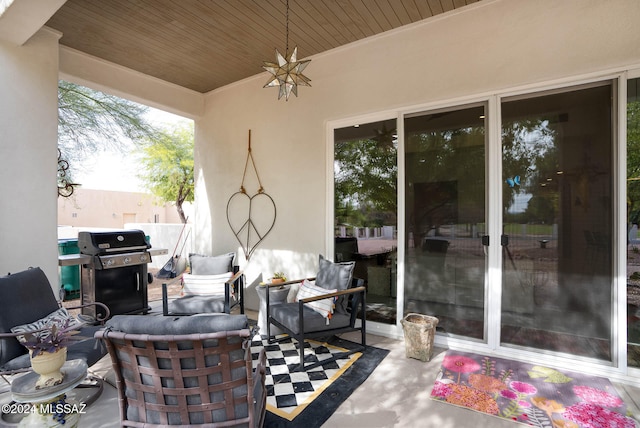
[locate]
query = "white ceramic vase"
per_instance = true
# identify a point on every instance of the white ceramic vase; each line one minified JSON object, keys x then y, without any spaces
{"x":47,"y":365}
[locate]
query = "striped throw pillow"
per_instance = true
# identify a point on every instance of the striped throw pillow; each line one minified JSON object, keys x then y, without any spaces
{"x":324,"y":306}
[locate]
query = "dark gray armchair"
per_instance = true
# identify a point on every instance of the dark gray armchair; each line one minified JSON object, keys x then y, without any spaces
{"x":26,"y":298}
{"x":306,"y":317}
{"x":188,"y":371}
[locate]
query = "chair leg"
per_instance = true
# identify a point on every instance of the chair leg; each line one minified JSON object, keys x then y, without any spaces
{"x":364,"y":320}
{"x":301,"y":344}
{"x":165,"y":301}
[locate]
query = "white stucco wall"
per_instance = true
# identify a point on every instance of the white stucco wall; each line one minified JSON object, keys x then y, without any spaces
{"x":490,"y":46}
{"x":28,"y":152}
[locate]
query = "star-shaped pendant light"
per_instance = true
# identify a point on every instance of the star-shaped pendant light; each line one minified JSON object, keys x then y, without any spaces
{"x":287,"y":72}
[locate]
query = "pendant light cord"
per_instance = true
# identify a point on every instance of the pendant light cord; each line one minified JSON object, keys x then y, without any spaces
{"x":286,"y":51}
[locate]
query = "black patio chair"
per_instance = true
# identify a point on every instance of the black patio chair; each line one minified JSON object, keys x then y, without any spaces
{"x":306,"y":317}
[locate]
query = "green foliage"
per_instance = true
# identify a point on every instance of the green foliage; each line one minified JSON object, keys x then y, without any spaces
{"x":365,"y":181}
{"x":167,"y":160}
{"x":90,"y":121}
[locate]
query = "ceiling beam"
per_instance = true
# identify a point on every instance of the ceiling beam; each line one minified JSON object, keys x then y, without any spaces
{"x":21,"y":19}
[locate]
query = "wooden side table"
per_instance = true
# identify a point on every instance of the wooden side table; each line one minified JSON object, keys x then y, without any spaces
{"x":48,"y":405}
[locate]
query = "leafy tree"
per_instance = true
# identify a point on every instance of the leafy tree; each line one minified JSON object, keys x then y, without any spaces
{"x":365,"y":180}
{"x":167,"y":160}
{"x":91,"y":121}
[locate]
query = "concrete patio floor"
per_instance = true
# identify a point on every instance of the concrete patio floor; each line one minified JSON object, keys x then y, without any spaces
{"x":395,"y":395}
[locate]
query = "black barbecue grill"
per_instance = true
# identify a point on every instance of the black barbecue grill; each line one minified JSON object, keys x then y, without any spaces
{"x":117,"y":273}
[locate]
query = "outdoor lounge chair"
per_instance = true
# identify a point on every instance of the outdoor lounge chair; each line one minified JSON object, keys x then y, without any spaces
{"x":26,"y":299}
{"x":188,"y":371}
{"x":308,"y":317}
{"x":213,"y":286}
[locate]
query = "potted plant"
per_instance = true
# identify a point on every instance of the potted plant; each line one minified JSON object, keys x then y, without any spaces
{"x":278,"y":278}
{"x":48,"y":350}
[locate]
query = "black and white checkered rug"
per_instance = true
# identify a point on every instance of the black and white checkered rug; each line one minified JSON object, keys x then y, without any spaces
{"x":289,"y":391}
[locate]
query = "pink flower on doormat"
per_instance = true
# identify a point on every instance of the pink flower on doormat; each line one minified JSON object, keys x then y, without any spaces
{"x":460,"y":364}
{"x":590,"y":415}
{"x":509,"y":394}
{"x":523,"y":388}
{"x":471,"y":398}
{"x":440,"y":389}
{"x":597,"y":396}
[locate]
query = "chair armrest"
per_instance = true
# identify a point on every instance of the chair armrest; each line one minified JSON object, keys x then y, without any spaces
{"x":99,"y":318}
{"x":293,"y":281}
{"x":336,"y":294}
{"x":235,"y":277}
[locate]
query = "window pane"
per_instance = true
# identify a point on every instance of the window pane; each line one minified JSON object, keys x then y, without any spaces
{"x":445,"y":219}
{"x":365,"y":177}
{"x":633,"y":201}
{"x":558,"y":217}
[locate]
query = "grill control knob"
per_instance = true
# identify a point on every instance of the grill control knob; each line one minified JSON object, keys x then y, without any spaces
{"x":143,"y":258}
{"x":126,"y":260}
{"x":109,"y":262}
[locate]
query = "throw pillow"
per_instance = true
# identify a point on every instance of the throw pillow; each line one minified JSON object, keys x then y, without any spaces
{"x":336,"y":275}
{"x":324,"y":306}
{"x":58,"y":317}
{"x":216,"y":265}
{"x":204,"y":285}
{"x":293,"y":293}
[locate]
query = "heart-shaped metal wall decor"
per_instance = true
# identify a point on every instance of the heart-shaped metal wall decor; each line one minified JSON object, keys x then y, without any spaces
{"x":257,"y":216}
{"x":251,"y":217}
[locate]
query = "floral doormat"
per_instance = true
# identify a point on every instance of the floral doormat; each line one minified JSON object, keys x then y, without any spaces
{"x":529,"y":394}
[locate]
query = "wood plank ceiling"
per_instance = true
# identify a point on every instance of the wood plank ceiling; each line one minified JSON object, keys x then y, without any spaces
{"x":205,"y":44}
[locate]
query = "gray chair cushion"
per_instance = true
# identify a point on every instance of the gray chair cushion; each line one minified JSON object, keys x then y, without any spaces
{"x":335,"y":276}
{"x":205,"y":265}
{"x":197,"y":305}
{"x":210,"y":323}
{"x":18,"y":306}
{"x":288,"y":313}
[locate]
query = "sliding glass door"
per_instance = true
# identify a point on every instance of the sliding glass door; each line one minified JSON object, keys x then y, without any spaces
{"x":444,"y":182}
{"x":557,"y":216}
{"x":539,"y":273}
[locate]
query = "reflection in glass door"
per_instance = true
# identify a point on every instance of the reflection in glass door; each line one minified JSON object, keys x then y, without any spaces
{"x":558,"y":221}
{"x":633,"y":213}
{"x":365,"y":204}
{"x":445,"y":260}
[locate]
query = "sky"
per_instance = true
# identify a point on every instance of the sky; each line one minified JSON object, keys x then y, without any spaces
{"x":115,"y":171}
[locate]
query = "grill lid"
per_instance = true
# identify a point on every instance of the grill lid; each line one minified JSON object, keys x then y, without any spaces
{"x":120,"y":241}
